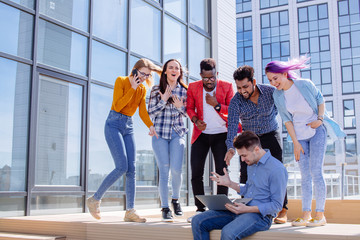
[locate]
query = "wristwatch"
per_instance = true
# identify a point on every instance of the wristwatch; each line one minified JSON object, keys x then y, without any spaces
{"x":218,"y":107}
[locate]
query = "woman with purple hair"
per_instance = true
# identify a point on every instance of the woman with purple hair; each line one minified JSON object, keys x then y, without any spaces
{"x":302,"y":108}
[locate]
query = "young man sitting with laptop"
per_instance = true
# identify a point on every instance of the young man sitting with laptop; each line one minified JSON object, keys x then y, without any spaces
{"x":265,"y":186}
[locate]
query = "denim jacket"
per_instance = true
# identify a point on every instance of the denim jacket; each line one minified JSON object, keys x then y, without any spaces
{"x":314,"y":98}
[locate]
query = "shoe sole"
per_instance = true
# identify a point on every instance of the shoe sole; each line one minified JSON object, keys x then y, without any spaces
{"x":167,"y":220}
{"x":130,"y":220}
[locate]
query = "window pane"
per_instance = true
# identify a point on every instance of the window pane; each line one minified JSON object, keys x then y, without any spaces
{"x":349,"y":108}
{"x":174,"y":47}
{"x":145,"y":31}
{"x":110,"y":21}
{"x":72,"y":12}
{"x":14,"y":114}
{"x":17,"y":29}
{"x":199,"y":49}
{"x":324,"y":43}
{"x":107,"y":63}
{"x":58,"y":133}
{"x":101,"y":162}
{"x":329,"y":108}
{"x":44,"y":205}
{"x":12,"y":206}
{"x":345,"y":40}
{"x":176,"y":7}
{"x":25,"y":3}
{"x":199,"y":14}
{"x":62,"y":48}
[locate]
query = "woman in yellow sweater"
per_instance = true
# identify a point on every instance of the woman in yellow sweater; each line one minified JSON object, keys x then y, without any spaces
{"x":129,"y":94}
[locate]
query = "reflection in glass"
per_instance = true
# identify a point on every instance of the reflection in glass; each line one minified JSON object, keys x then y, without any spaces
{"x":17,"y":29}
{"x":61,"y":48}
{"x":176,"y":7}
{"x":199,"y":14}
{"x":101,"y":162}
{"x":243,"y":6}
{"x":14,"y":114}
{"x":198,"y":50}
{"x":145,"y":31}
{"x":174,"y":40}
{"x":58,"y":133}
{"x":107,"y":63}
{"x":25,"y":3}
{"x":110,"y":21}
{"x":275,"y":43}
{"x":12,"y":206}
{"x":45,"y":205}
{"x":72,"y":12}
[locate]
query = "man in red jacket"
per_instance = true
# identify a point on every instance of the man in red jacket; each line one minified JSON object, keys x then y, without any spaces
{"x":207,"y":107}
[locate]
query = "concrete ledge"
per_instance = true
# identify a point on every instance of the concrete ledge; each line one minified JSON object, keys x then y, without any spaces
{"x":112,"y":226}
{"x":22,"y":236}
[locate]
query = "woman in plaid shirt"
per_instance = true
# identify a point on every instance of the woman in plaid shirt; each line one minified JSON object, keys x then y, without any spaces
{"x":166,"y":110}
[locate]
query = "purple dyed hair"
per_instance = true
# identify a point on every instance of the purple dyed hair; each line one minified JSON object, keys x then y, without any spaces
{"x":290,"y":66}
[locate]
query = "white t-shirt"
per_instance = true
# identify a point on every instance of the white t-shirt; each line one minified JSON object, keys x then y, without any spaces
{"x":214,"y":123}
{"x":301,"y":112}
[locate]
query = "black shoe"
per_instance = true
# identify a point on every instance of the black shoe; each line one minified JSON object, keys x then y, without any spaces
{"x":166,"y":215}
{"x":177,"y":207}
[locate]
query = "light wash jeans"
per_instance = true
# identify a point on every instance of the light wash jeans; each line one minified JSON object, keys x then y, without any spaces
{"x":233,"y":226}
{"x":169,"y":154}
{"x":119,"y":136}
{"x":311,"y":168}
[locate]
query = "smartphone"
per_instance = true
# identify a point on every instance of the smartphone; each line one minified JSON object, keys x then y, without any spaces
{"x":135,"y":73}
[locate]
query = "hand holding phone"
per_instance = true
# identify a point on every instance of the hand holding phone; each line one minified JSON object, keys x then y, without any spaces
{"x":134,"y":79}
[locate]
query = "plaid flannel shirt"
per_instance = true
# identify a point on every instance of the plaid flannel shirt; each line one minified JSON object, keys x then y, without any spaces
{"x":165,"y":115}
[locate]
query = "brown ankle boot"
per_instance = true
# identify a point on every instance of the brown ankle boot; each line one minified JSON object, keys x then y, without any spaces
{"x":281,"y":217}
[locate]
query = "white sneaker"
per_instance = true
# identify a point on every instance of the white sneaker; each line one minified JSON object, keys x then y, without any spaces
{"x":94,"y":207}
{"x":316,"y":223}
{"x":190,"y":218}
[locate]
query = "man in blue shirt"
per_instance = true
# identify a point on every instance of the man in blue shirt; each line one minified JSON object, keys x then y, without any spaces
{"x":253,"y":104}
{"x":265,"y":186}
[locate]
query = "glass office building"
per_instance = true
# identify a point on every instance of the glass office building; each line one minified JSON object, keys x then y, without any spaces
{"x":58,"y":64}
{"x":328,"y":32}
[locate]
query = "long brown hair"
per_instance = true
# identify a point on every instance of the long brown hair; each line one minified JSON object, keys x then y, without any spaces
{"x":143,"y":62}
{"x":163,"y":78}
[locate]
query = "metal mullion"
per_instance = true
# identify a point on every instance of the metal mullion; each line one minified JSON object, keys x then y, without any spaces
{"x":199,"y":30}
{"x":188,"y":136}
{"x":57,"y":193}
{"x":162,"y":36}
{"x":31,"y":154}
{"x":85,"y":163}
{"x":174,"y":17}
{"x":46,"y":69}
{"x":16,"y":58}
{"x":18,"y":6}
{"x":13,"y":194}
{"x":63,"y":25}
{"x":56,"y":188}
{"x":102,"y":84}
{"x":152,"y":3}
{"x":109,"y":44}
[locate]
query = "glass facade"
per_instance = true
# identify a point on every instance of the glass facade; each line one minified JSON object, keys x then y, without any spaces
{"x":244,"y":41}
{"x":349,"y":30}
{"x":243,"y":6}
{"x":330,"y":40}
{"x":314,"y":40}
{"x":275,"y":38}
{"x":272,"y":3}
{"x":58,"y":65}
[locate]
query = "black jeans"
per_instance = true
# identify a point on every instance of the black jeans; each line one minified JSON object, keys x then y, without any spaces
{"x":199,"y":151}
{"x":269,"y":141}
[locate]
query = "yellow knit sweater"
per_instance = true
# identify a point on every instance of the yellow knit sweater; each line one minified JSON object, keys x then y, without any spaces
{"x":126,"y":100}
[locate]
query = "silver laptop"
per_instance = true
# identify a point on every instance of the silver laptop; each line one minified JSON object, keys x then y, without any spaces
{"x":217,"y":202}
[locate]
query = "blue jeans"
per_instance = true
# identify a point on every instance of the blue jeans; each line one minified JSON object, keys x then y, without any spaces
{"x":119,"y":136}
{"x":311,"y":168}
{"x":233,"y":226}
{"x":169,"y":155}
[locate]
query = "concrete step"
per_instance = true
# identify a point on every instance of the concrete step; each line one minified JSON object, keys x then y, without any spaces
{"x":23,"y":236}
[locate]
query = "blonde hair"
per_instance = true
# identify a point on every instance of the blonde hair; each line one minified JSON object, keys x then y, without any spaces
{"x":143,"y":62}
